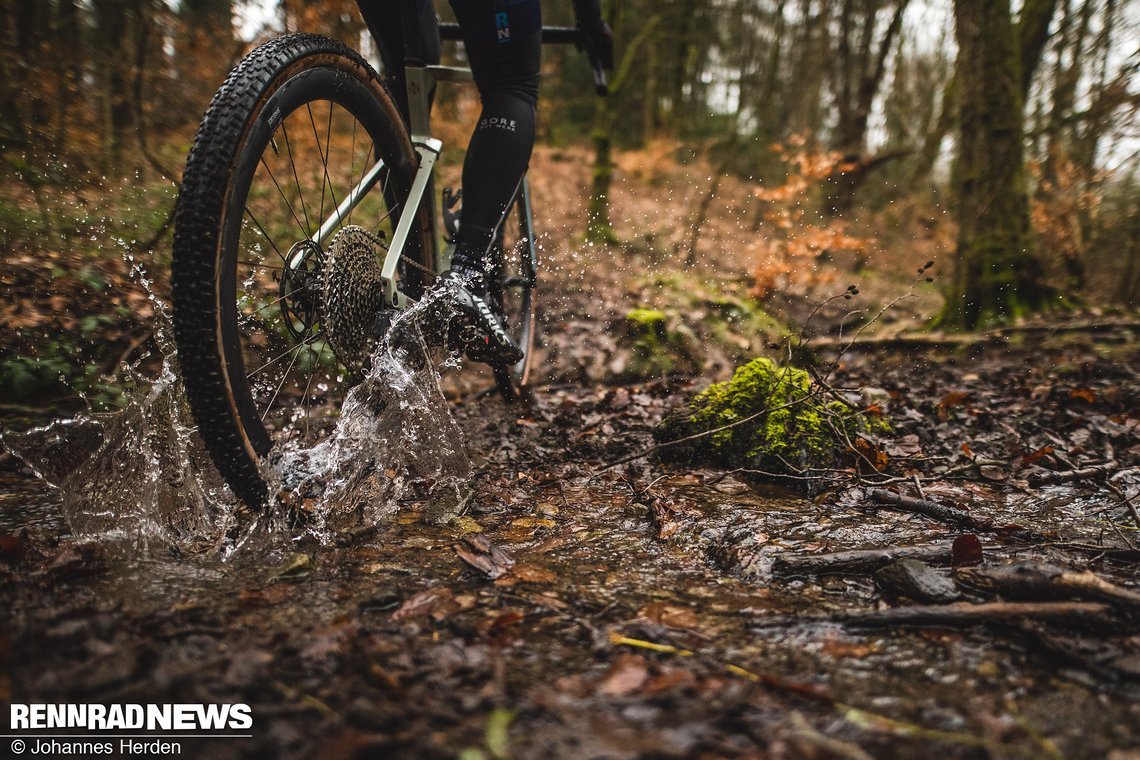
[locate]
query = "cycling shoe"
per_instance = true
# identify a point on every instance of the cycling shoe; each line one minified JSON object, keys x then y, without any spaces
{"x":479,"y":331}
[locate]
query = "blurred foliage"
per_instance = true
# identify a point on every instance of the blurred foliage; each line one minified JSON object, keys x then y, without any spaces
{"x":102,"y":98}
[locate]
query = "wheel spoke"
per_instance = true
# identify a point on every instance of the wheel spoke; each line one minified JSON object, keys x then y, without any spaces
{"x":324,"y":154}
{"x":328,"y":156}
{"x":260,"y":266}
{"x":308,"y":384}
{"x":281,"y":383}
{"x":282,"y":355}
{"x":389,"y":212}
{"x":352,"y":169}
{"x":266,"y":235}
{"x":317,"y":138}
{"x":304,"y":232}
{"x":263,"y":307}
{"x":297,"y":179}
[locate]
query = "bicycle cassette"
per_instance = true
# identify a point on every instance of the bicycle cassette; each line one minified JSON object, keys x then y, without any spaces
{"x":352,"y":296}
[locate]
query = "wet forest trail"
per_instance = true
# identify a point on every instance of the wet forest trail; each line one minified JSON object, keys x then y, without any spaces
{"x":575,"y":600}
{"x":649,"y":609}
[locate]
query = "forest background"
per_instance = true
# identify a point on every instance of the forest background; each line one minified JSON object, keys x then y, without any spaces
{"x":803,"y":142}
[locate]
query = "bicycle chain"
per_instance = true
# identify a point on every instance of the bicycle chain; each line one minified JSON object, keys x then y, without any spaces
{"x":417,"y":265}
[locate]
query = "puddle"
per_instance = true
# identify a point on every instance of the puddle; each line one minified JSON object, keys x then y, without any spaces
{"x":138,"y":481}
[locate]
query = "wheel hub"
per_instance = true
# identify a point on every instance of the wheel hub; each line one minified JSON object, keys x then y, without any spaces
{"x":300,"y":288}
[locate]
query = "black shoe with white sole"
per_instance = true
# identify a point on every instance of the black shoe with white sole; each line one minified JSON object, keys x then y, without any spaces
{"x":481,"y":333}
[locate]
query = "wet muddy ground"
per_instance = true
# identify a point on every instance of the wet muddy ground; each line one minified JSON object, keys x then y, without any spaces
{"x":570,"y":609}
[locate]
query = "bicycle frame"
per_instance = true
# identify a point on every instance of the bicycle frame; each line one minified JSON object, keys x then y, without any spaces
{"x":420,"y":78}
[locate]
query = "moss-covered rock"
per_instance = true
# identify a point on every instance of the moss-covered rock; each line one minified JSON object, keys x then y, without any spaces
{"x":656,"y":348}
{"x":768,"y":417}
{"x":727,"y":324}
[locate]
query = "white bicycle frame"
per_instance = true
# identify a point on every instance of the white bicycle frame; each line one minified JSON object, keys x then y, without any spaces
{"x":428,"y":148}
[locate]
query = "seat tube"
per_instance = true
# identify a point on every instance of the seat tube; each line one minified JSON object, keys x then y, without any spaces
{"x":416,"y":76}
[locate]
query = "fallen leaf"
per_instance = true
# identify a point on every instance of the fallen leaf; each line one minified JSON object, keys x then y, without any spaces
{"x":966,"y":550}
{"x":496,"y":736}
{"x":907,"y":446}
{"x":627,"y":674}
{"x":533,"y":522}
{"x":845,"y":648}
{"x":991,"y":472}
{"x":872,"y":453}
{"x":1034,"y":457}
{"x":328,"y":642}
{"x":425,"y":603}
{"x":295,"y":566}
{"x":270,"y":595}
{"x":478,"y":551}
{"x":534,"y":574}
{"x":951,"y":400}
{"x":506,"y":620}
{"x":670,"y":615}
{"x":13,"y":546}
{"x":76,"y":562}
{"x":1087,"y":395}
{"x":670,"y":680}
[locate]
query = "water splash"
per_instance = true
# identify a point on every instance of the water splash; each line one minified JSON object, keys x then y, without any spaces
{"x":395,"y":432}
{"x":139,"y":480}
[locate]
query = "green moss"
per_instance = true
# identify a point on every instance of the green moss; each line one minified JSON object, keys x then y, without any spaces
{"x":732,"y":323}
{"x":795,"y":428}
{"x":655,"y":350}
{"x":647,"y":318}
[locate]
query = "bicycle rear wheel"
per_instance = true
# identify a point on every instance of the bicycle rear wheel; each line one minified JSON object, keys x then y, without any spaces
{"x":296,"y":126}
{"x":513,"y":290}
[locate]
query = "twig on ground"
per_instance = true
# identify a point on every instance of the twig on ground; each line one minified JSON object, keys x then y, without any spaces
{"x":1038,"y":580}
{"x":861,"y":560}
{"x":703,"y":434}
{"x":1068,"y":476}
{"x":830,"y":746}
{"x":1125,"y":500}
{"x":1118,"y":553}
{"x":933,"y":510}
{"x":903,"y":340}
{"x":911,"y":340}
{"x":918,"y":487}
{"x":965,"y":614}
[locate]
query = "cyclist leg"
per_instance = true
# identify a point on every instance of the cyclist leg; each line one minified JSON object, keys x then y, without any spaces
{"x":386,"y":26}
{"x":503,"y":39}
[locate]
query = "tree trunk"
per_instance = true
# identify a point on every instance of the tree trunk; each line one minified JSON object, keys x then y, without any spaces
{"x":112,"y":28}
{"x":69,"y":43}
{"x":598,"y":226}
{"x":866,"y":72}
{"x":599,"y":229}
{"x":997,"y":277}
{"x":932,"y":142}
{"x":1032,"y":34}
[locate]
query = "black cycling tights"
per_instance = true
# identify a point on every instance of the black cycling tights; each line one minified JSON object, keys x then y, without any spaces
{"x":503,"y":39}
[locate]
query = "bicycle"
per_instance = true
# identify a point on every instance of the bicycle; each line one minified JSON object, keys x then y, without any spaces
{"x":253,"y":220}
